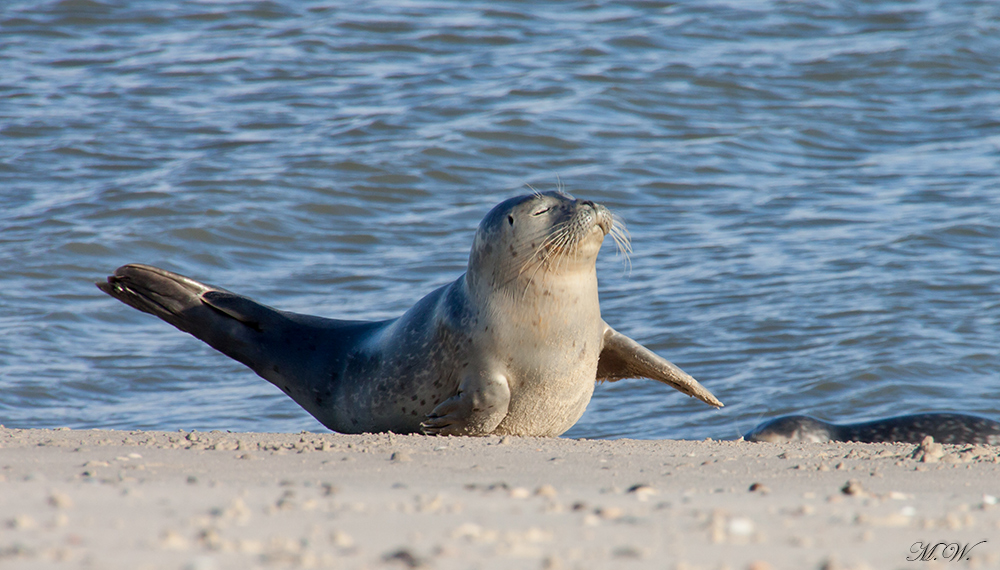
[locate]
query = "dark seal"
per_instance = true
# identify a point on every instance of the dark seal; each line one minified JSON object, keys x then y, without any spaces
{"x":913,"y":428}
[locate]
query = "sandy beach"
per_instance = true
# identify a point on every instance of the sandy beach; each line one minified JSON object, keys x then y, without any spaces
{"x":203,"y":501}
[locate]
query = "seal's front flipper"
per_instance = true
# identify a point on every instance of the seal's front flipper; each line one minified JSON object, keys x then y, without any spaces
{"x":477,"y":409}
{"x":622,"y":357}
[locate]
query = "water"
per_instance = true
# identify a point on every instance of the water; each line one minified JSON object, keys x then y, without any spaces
{"x":811,"y":188}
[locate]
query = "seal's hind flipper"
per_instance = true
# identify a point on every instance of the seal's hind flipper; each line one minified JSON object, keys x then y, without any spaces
{"x":263,"y":338}
{"x":226,"y":321}
{"x":622,"y":357}
{"x":301,"y":354}
{"x":155,"y":291}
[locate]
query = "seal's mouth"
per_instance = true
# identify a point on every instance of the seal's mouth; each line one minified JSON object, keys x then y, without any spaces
{"x":612,"y":225}
{"x":603,"y":216}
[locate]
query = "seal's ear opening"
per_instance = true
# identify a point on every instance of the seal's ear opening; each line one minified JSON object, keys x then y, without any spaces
{"x":510,"y":219}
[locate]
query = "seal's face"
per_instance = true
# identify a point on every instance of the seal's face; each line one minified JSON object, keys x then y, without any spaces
{"x":528,"y":237}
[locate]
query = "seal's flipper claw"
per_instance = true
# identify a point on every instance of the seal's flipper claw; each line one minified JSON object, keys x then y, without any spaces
{"x":622,"y":357}
{"x":436,"y":426}
{"x":441,"y":418}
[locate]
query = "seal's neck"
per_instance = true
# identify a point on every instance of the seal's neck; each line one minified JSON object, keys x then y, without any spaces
{"x":561,"y":296}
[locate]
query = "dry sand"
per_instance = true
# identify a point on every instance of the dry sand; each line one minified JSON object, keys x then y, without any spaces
{"x":203,"y":501}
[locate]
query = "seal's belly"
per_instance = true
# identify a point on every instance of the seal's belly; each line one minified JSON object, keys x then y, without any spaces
{"x":547,"y":408}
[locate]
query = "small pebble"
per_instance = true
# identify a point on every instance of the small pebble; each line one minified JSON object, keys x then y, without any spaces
{"x":60,"y":500}
{"x":610,"y":513}
{"x":929,"y":451}
{"x":403,"y":555}
{"x":341,"y":540}
{"x":853,"y":488}
{"x":21,"y":522}
{"x":552,"y":563}
{"x":546,"y":491}
{"x":519,"y":493}
{"x":740,"y":526}
{"x":171,"y":540}
{"x":627,"y":551}
{"x":642,"y":491}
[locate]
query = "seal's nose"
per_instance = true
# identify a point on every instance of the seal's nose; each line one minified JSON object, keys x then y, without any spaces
{"x":604,"y":218}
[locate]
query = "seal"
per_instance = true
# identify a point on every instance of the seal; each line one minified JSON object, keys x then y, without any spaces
{"x":913,"y":428}
{"x":513,"y":346}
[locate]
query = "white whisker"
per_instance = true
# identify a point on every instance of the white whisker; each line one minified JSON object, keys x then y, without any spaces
{"x":553,"y":246}
{"x":623,"y":241}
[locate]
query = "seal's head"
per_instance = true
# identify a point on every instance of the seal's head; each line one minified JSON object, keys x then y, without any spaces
{"x":792,"y":428}
{"x":530,"y":237}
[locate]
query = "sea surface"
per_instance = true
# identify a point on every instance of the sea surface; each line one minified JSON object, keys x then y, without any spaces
{"x":812,"y":190}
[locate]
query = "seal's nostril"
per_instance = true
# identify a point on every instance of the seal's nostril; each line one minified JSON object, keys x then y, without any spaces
{"x":589,"y":203}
